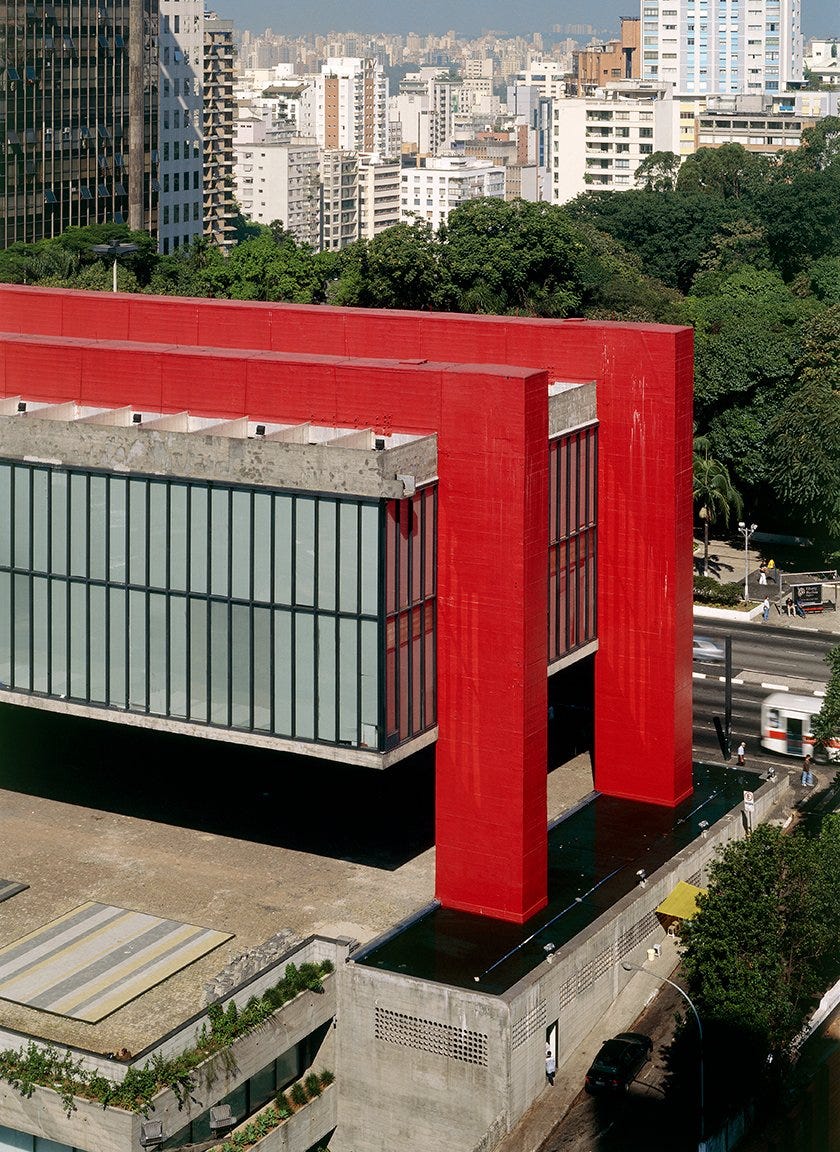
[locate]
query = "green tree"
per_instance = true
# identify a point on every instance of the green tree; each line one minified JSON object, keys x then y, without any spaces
{"x":658,"y":172}
{"x":804,"y":436}
{"x":746,"y":345}
{"x":730,"y":172}
{"x":668,"y":232}
{"x":826,"y":724}
{"x":515,"y":257}
{"x":801,"y":216}
{"x":818,"y":151}
{"x":765,"y":944}
{"x":714,"y":494}
{"x":399,"y":268}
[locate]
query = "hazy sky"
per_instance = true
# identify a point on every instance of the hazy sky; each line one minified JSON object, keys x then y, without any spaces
{"x":467,"y":17}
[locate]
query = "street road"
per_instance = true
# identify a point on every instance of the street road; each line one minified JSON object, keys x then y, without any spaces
{"x":764,"y":659}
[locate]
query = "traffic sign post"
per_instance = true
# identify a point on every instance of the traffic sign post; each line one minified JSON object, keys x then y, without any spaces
{"x":749,"y":808}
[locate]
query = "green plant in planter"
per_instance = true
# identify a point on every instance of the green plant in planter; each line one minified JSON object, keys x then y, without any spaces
{"x":327,"y":1078}
{"x":298,"y":1095}
{"x":46,"y":1066}
{"x":312,"y":1084}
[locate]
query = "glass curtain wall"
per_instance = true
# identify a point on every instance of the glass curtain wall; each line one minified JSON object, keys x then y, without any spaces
{"x":572,"y":541}
{"x":410,"y":610}
{"x":251,"y":609}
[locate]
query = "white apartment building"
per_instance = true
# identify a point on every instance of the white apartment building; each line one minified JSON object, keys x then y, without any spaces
{"x":277,"y":178}
{"x":430,"y":105}
{"x":725,"y":46}
{"x":181,"y":123}
{"x":754,"y":122}
{"x":409,"y":119}
{"x":823,"y":59}
{"x":547,"y":76}
{"x":431,"y":191}
{"x":598,"y":142}
{"x":379,"y":194}
{"x":346,"y":106}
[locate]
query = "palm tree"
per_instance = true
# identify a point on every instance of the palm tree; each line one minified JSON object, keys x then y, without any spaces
{"x":714,"y":493}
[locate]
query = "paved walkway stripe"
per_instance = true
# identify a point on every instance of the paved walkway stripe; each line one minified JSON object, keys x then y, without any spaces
{"x":9,"y":888}
{"x":96,"y":957}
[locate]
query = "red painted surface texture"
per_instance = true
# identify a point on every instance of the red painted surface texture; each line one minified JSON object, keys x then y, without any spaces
{"x":491,"y":779}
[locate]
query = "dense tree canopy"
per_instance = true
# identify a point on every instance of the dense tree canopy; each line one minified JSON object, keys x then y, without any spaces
{"x":765,"y":945}
{"x":743,"y":248}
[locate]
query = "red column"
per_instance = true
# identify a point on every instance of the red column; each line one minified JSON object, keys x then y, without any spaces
{"x":492,"y":643}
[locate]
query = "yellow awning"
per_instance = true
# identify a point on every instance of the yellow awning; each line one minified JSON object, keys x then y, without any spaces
{"x":682,"y":902}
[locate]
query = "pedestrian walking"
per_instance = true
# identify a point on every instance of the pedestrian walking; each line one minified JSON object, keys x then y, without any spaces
{"x":550,"y":1065}
{"x":741,"y":753}
{"x":762,"y":575}
{"x":765,"y":609}
{"x":771,"y":570}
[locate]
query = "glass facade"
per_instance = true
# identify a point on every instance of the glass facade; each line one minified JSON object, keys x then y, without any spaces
{"x":253,"y":609}
{"x":572,"y":541}
{"x":68,"y":158}
{"x":410,"y":607}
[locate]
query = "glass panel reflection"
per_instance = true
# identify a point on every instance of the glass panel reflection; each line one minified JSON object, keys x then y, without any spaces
{"x":254,"y":609}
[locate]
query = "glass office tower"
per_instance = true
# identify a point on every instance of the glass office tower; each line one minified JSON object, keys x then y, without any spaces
{"x":78,"y":114}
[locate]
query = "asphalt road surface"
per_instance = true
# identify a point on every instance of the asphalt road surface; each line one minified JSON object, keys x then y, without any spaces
{"x":764,"y":659}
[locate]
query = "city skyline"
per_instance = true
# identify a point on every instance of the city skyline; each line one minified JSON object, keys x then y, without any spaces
{"x":468,"y":18}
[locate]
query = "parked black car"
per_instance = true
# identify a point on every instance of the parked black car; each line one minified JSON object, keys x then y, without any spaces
{"x":619,"y":1062}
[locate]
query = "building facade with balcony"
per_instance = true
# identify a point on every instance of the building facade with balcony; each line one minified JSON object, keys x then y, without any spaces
{"x":437,"y":186}
{"x":749,"y":46}
{"x":598,"y":142}
{"x":218,"y":130}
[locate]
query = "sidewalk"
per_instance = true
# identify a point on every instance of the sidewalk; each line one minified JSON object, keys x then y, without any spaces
{"x":726,"y":563}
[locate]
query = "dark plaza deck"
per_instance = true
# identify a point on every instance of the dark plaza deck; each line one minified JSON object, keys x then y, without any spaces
{"x":595,"y":854}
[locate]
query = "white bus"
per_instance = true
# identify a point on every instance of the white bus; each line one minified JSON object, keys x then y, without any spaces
{"x":787,"y":726}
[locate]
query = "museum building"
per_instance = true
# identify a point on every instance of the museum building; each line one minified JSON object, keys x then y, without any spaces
{"x":356,"y":534}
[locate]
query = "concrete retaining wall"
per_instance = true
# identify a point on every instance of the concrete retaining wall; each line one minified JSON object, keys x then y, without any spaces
{"x":303,"y":1129}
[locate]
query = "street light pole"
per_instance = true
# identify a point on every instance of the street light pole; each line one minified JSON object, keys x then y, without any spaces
{"x":628,"y":967}
{"x":746,"y":531}
{"x":116,"y":249}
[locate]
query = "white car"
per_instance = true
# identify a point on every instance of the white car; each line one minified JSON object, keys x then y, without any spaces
{"x":708,"y":651}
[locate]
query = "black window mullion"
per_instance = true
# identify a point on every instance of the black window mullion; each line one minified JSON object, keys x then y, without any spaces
{"x":208,"y":584}
{"x":87,"y":585}
{"x":167,"y":599}
{"x":272,"y":565}
{"x":107,"y":623}
{"x":382,"y":629}
{"x":50,"y":578}
{"x":188,"y":605}
{"x":251,"y":637}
